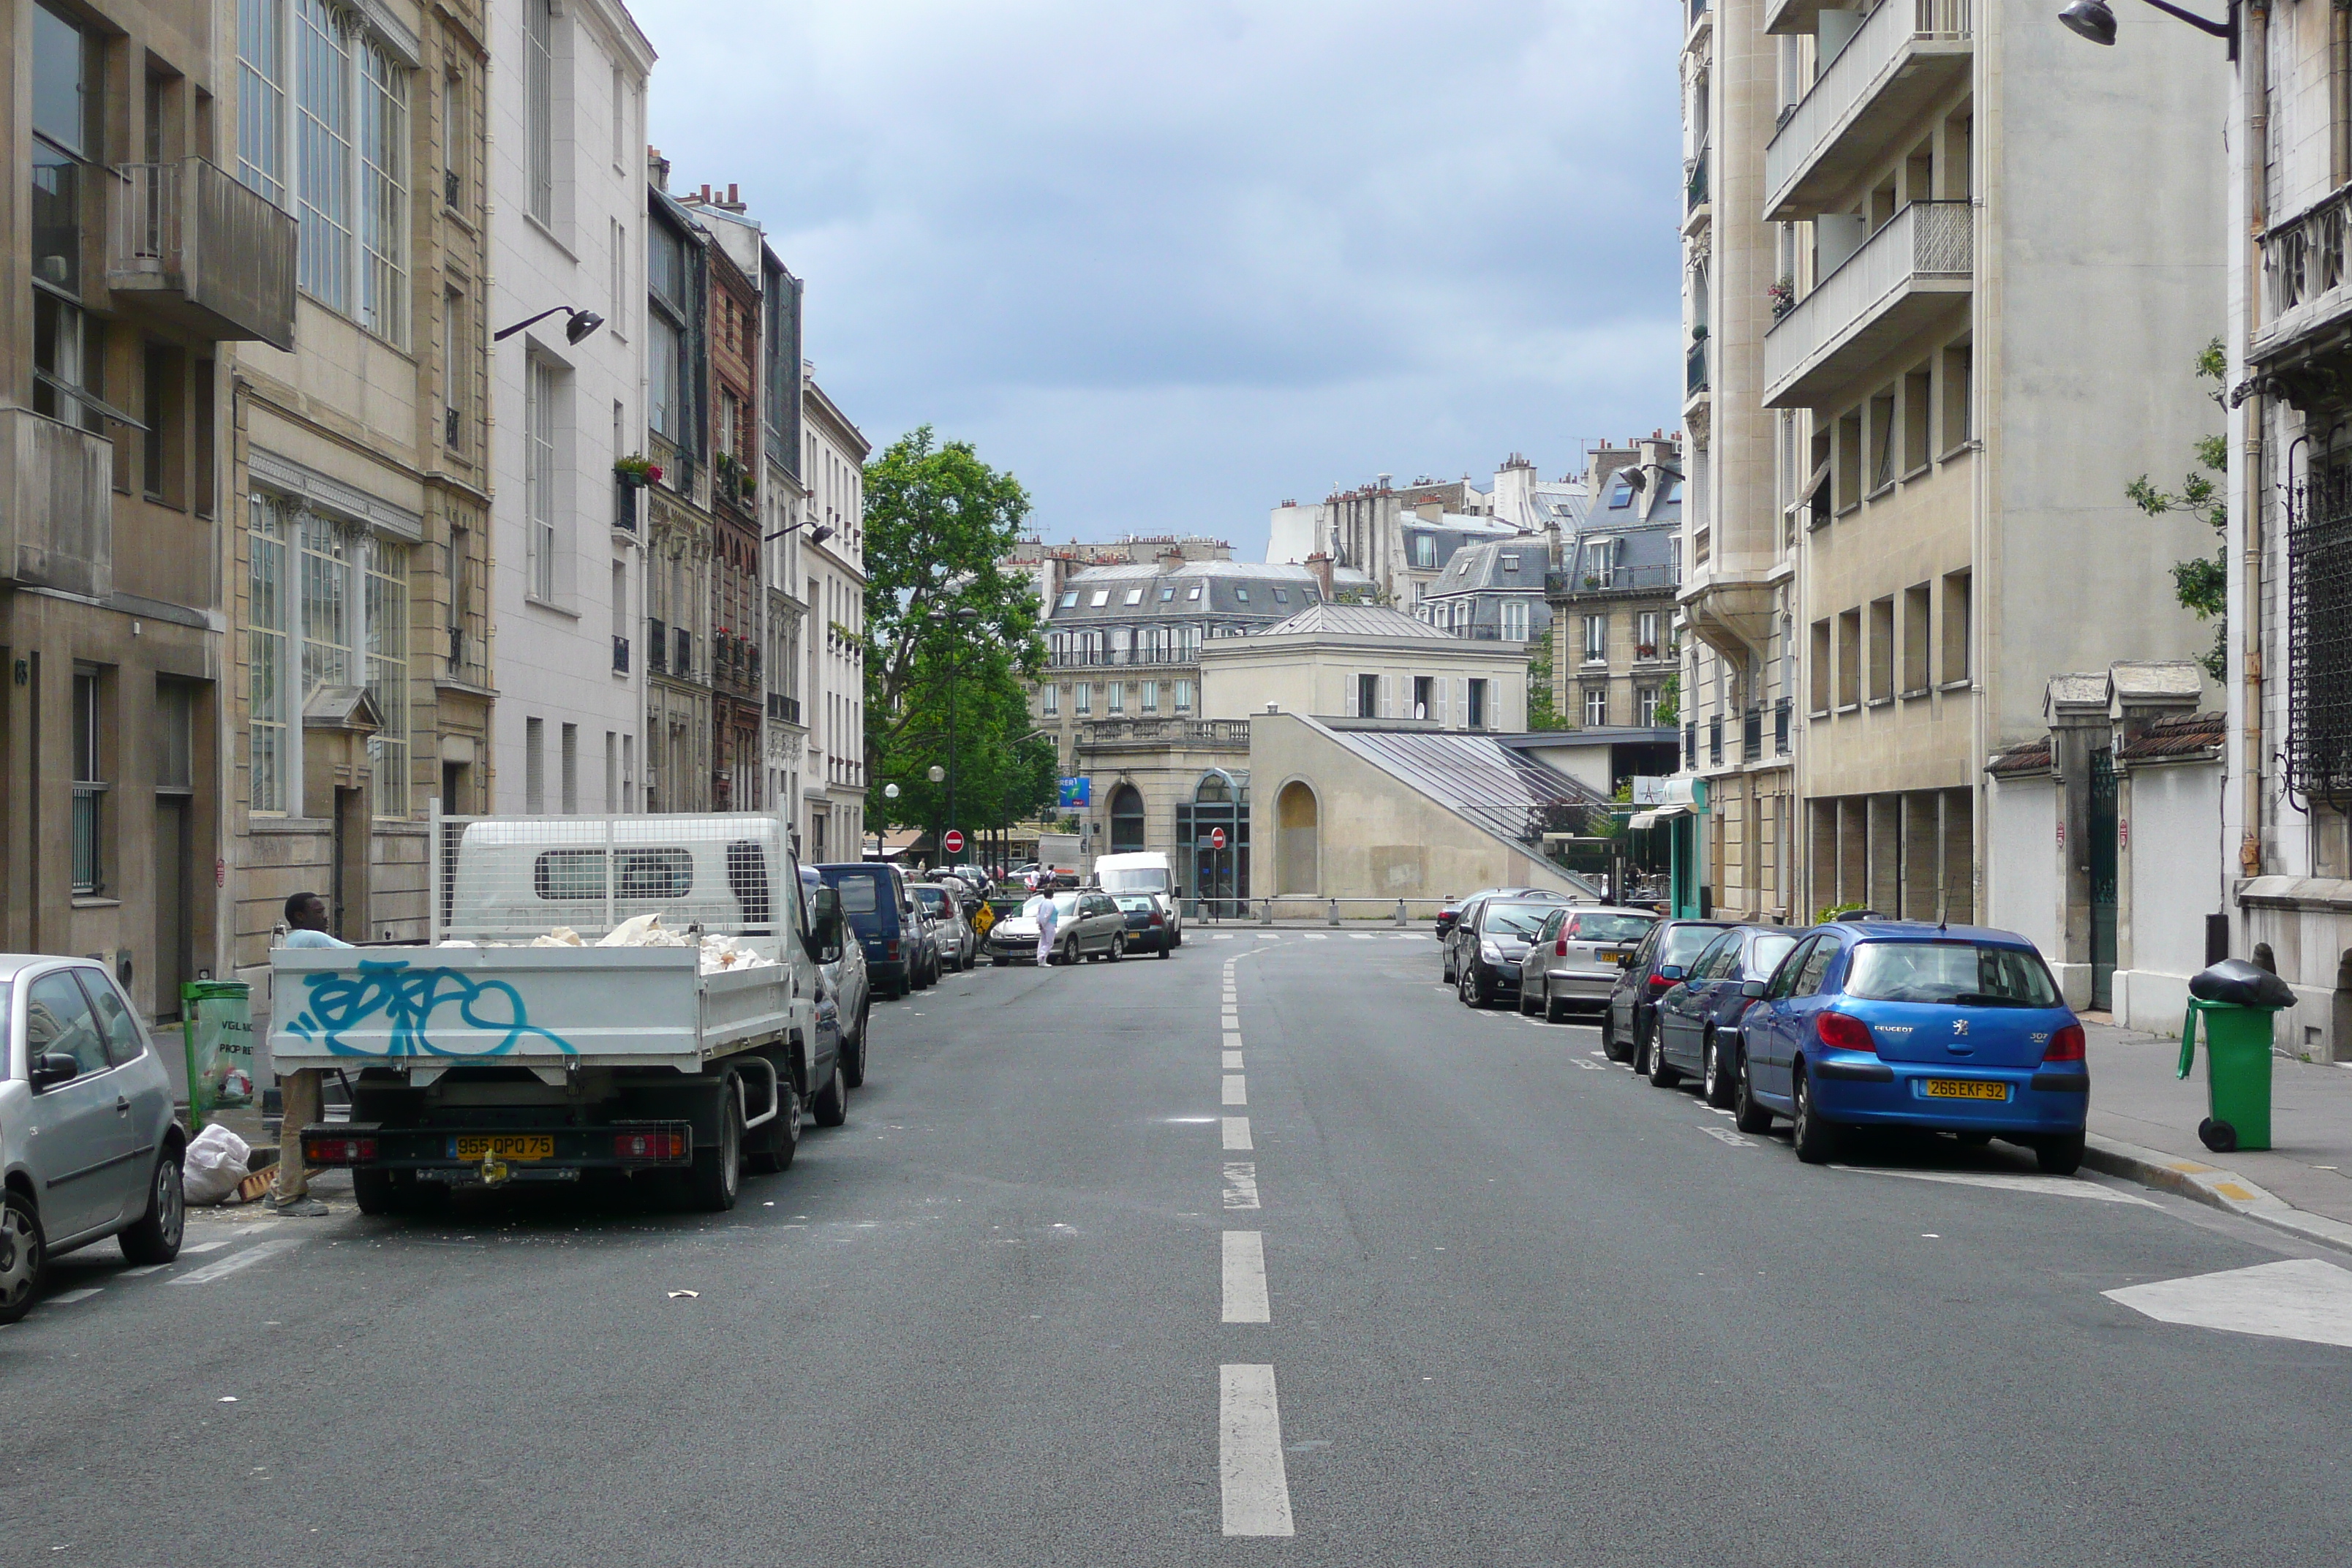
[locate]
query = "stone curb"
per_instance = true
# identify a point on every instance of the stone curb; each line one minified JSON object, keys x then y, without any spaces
{"x":2211,"y":1185}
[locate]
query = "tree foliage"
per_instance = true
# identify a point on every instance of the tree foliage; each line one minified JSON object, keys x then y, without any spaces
{"x":952,"y":639}
{"x":1541,"y":714}
{"x":2201,"y":583}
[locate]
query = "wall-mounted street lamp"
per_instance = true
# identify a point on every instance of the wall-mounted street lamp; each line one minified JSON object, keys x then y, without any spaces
{"x":582,"y":323}
{"x":2096,"y":20}
{"x":817,"y":535}
{"x":1637,"y":475}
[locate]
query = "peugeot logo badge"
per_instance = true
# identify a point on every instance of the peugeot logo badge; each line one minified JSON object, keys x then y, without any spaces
{"x":1959,"y":1025}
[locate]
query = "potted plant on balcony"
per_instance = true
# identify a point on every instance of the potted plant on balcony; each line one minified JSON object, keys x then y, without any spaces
{"x":636,"y":470}
{"x":1645,"y":650}
{"x":1781,"y":296}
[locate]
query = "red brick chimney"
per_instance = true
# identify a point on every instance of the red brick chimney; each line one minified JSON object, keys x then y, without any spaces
{"x":1320,"y":564}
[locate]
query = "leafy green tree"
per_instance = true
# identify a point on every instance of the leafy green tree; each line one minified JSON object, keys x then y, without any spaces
{"x":1669,"y":710}
{"x":2201,"y":583}
{"x":1541,"y":714}
{"x":952,"y":639}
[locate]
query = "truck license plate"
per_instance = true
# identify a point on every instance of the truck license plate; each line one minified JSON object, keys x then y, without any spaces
{"x":508,"y":1146}
{"x":1966,"y":1089}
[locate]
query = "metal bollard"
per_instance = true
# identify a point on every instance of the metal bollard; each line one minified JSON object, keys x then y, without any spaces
{"x":1399,"y":914}
{"x":1335,"y":914}
{"x":1266,"y":913}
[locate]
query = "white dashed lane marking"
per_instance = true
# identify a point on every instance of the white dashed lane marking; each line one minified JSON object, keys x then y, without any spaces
{"x":1232,"y":1061}
{"x":1238,"y":1132}
{"x":1236,"y":1089}
{"x":1241,"y":1185}
{"x":1249,"y":1453}
{"x":257,"y":1253}
{"x":1246,"y":1297}
{"x":68,"y":1298}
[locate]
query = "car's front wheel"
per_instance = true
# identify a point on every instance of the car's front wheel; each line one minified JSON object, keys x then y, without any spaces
{"x":24,"y":1255}
{"x":1816,"y":1136}
{"x":853,"y":1056}
{"x":1473,"y":993}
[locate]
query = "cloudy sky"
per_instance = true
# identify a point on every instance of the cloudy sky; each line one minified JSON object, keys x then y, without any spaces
{"x":1173,"y":262}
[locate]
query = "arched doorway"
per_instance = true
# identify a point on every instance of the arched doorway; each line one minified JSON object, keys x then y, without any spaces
{"x":1219,"y":875}
{"x":1126,"y":820}
{"x":1295,"y":845}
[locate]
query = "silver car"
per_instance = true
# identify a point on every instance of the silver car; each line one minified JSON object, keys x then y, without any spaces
{"x":1577,"y":957}
{"x":89,"y":1147}
{"x":853,"y":993}
{"x":952,"y":933}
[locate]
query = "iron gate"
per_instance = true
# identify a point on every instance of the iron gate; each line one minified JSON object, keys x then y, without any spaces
{"x":2101,"y":831}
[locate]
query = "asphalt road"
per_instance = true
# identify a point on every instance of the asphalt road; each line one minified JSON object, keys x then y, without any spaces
{"x":1518,"y":1308}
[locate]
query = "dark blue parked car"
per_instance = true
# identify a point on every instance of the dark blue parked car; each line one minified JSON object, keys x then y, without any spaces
{"x":1871,"y":1023}
{"x":876,"y":903}
{"x":1697,"y":1029}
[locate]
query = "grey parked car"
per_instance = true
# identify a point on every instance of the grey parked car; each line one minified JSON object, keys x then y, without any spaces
{"x":853,"y":991}
{"x":952,"y":933}
{"x":89,"y":1147}
{"x":1577,"y":957}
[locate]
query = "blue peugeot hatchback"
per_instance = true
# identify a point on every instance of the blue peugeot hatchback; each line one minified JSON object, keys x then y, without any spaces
{"x":1882,"y":1023}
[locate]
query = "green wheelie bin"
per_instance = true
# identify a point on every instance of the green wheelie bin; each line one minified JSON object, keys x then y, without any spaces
{"x":2238,"y":1003}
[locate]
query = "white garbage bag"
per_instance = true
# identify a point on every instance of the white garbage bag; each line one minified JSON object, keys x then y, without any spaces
{"x":215,"y":1165}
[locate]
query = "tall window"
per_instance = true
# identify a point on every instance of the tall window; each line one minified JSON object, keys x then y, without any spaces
{"x":327,"y":608}
{"x":539,"y":77}
{"x":387,"y":672}
{"x":1596,"y":639}
{"x":1596,"y":707}
{"x":323,"y":147}
{"x":1515,"y":620}
{"x":534,"y":765}
{"x":261,"y":96}
{"x":66,"y":345}
{"x":570,"y":761}
{"x":1645,"y":705}
{"x":1183,"y":697}
{"x":539,"y":476}
{"x":1646,"y":637}
{"x":265,"y":652}
{"x":383,"y":194}
{"x":1473,"y":705}
{"x":89,"y":783}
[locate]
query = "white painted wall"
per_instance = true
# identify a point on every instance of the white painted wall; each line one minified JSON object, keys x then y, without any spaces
{"x":1315,"y":675}
{"x":2176,"y":881}
{"x":2022,"y":886}
{"x":834,"y":688}
{"x":553,"y":660}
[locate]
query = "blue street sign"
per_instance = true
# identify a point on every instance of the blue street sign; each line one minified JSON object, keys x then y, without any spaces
{"x":1077,"y":792}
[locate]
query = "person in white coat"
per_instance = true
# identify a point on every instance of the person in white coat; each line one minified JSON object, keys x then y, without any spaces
{"x":1049,"y":920}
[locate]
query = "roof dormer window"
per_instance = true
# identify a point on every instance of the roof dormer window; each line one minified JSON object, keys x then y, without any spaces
{"x":1135,"y":595}
{"x":1282,"y":595}
{"x":1102,"y":597}
{"x":1510,"y":563}
{"x":1241,"y":595}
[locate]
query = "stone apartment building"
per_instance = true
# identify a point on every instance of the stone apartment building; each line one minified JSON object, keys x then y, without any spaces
{"x":2286,"y":802}
{"x":680,"y":533}
{"x":1742,"y":719}
{"x":358,"y":469}
{"x":833,"y":786}
{"x":1611,"y":591}
{"x":1990,"y":330}
{"x":567,"y":228}
{"x":784,"y":530}
{"x":138,"y":265}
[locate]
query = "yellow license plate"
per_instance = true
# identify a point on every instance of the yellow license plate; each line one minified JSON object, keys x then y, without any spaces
{"x":1966,"y":1089}
{"x":512,"y":1146}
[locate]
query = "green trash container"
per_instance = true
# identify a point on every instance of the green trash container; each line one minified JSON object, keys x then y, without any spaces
{"x":2237,"y":1072}
{"x":217,"y":1029}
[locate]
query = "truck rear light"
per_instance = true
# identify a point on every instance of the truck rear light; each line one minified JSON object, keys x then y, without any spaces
{"x":2065,"y":1045}
{"x":661,"y":1145}
{"x":890,"y":951}
{"x":1845,"y":1032}
{"x":338,"y":1151}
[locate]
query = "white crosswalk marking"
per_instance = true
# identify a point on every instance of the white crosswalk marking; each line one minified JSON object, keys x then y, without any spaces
{"x":1249,"y":1453}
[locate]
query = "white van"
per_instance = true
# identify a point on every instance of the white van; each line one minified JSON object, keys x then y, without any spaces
{"x":1145,"y":871}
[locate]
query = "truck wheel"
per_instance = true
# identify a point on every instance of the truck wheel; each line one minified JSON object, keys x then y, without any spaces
{"x":378,"y":1192}
{"x":717,"y":1177}
{"x":854,"y":1072}
{"x":831,"y":1104}
{"x":772,"y":1147}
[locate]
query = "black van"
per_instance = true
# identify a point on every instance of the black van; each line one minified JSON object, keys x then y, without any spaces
{"x":879,"y":909}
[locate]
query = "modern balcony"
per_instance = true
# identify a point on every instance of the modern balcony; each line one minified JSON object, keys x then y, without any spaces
{"x":1694,"y":380}
{"x":1906,"y":54}
{"x":2307,"y":286}
{"x":57,"y":505}
{"x":624,"y":506}
{"x":1903,"y":279}
{"x":784,"y":710}
{"x":1791,"y":16}
{"x":203,"y":251}
{"x":1613,"y":580}
{"x":1698,"y":195}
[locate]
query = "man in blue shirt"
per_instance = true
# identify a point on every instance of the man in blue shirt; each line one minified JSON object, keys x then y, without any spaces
{"x":306,"y":920}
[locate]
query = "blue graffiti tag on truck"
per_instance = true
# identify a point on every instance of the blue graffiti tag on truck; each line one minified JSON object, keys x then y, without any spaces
{"x":407,"y":999}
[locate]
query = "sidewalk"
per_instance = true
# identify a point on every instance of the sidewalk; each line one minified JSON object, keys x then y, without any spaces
{"x":2143,"y":1125}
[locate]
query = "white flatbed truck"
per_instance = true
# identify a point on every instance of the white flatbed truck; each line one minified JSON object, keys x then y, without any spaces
{"x":485,"y":1064}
